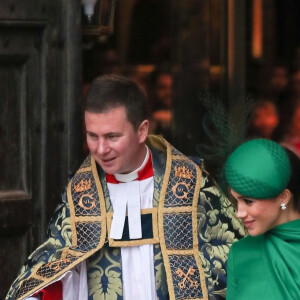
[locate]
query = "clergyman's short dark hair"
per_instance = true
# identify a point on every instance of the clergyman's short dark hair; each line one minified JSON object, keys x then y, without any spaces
{"x":111,"y":91}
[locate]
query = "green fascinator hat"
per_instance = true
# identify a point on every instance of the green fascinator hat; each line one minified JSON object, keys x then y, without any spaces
{"x":258,"y":169}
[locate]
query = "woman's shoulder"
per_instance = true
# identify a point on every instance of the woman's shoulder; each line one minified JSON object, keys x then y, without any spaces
{"x":247,"y":243}
{"x":247,"y":250}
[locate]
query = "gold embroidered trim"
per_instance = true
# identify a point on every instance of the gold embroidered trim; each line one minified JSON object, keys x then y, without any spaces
{"x":102,"y":204}
{"x":180,"y":157}
{"x":86,"y":219}
{"x":72,"y":213}
{"x":187,"y":276}
{"x":78,"y":256}
{"x":154,"y":240}
{"x":180,"y":252}
{"x":195,"y":234}
{"x":38,"y":277}
{"x":157,"y":142}
{"x":179,"y":209}
{"x":71,"y":252}
{"x":160,"y":222}
{"x":83,"y":170}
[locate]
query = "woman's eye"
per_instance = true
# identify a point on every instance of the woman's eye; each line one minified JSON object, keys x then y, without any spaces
{"x":248,"y":202}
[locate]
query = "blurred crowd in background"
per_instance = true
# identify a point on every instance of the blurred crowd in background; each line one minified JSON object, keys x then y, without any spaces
{"x":276,"y":113}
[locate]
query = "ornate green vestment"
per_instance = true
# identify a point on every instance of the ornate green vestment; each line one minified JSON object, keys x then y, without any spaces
{"x":193,"y":228}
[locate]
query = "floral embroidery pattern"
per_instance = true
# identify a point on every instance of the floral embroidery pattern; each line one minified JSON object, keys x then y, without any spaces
{"x":104,"y":275}
{"x":218,"y":228}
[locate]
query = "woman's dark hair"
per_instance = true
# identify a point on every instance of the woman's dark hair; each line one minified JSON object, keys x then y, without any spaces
{"x":294,"y":183}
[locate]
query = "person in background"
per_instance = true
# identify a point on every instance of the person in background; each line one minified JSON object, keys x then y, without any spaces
{"x":160,"y":94}
{"x":295,"y":85}
{"x":278,"y":85}
{"x":291,"y":136}
{"x":264,"y":182}
{"x":264,"y":120}
{"x":138,"y":220}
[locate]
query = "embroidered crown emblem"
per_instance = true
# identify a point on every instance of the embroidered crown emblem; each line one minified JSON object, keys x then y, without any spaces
{"x":83,"y":185}
{"x":183,"y":172}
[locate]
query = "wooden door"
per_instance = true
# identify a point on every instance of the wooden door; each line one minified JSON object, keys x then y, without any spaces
{"x":40,"y":127}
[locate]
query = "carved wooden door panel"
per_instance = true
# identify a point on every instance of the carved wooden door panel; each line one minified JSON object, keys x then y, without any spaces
{"x":40,"y":128}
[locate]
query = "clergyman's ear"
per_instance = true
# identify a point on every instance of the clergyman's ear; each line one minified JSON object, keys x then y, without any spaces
{"x":143,"y":131}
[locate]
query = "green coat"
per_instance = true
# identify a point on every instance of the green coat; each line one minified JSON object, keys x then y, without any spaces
{"x":266,"y":266}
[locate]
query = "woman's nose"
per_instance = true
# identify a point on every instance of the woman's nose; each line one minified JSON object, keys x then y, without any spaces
{"x":241,"y":212}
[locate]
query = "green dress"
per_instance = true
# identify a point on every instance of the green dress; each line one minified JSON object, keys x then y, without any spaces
{"x":266,"y":266}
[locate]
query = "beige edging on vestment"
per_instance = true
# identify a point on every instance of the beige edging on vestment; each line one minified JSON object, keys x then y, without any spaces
{"x":67,"y":250}
{"x":160,"y":221}
{"x":195,"y":233}
{"x":193,"y":209}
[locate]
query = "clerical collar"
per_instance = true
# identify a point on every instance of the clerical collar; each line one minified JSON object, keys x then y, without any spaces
{"x":144,"y":171}
{"x":128,"y":199}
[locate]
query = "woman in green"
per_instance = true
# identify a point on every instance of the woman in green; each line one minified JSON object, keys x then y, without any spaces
{"x":264,"y":179}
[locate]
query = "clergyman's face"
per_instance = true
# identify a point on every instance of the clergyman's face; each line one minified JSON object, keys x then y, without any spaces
{"x":258,"y":215}
{"x":114,"y":142}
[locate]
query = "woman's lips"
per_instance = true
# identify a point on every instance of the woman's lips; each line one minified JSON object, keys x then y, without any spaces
{"x":248,"y":223}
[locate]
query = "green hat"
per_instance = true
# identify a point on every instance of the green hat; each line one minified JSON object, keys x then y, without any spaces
{"x":258,"y":169}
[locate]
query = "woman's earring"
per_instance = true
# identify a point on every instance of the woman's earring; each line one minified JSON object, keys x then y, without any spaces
{"x":283,"y":206}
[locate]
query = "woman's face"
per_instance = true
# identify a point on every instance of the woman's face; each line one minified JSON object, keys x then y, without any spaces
{"x":258,"y":216}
